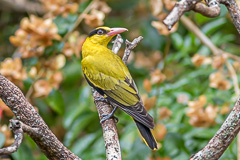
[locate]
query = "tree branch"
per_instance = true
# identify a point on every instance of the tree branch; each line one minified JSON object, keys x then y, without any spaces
{"x":110,"y":135}
{"x":129,"y":47}
{"x":212,"y":10}
{"x":223,"y":138}
{"x":24,"y":112}
{"x":234,"y":12}
{"x":18,"y":136}
{"x":117,"y":43}
{"x":19,"y":6}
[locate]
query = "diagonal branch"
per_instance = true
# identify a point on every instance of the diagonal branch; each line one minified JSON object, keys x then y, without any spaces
{"x":24,"y":112}
{"x":204,"y":39}
{"x":234,"y":12}
{"x":129,"y":47}
{"x":223,"y":138}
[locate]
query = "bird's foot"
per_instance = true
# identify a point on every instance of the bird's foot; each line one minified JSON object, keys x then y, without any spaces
{"x":101,"y":99}
{"x":108,"y":116}
{"x":111,"y":115}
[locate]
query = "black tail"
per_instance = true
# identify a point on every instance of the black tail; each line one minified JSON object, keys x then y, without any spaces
{"x":147,"y":135}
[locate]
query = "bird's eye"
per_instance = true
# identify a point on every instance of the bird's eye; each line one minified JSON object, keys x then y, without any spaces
{"x":100,"y":32}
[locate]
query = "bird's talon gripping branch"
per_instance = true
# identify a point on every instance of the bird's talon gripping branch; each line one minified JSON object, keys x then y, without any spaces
{"x":108,"y":116}
{"x":101,"y":99}
{"x":111,"y":115}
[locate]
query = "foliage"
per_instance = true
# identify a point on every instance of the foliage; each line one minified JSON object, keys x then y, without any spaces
{"x":186,"y":88}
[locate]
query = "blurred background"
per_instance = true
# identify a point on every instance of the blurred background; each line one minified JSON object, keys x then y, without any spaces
{"x":188,"y":89}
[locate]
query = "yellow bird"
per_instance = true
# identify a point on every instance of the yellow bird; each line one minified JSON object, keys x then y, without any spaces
{"x":106,"y":72}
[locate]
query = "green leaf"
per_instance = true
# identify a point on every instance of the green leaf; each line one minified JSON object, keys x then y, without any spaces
{"x":213,"y":26}
{"x":23,"y":152}
{"x":139,"y":151}
{"x":56,"y":47}
{"x":55,"y":101}
{"x":65,"y":24}
{"x":173,"y":144}
{"x":79,"y":124}
{"x":2,"y":139}
{"x":72,"y":73}
{"x":27,"y":83}
{"x":29,"y":62}
{"x":84,"y":143}
{"x":177,"y":40}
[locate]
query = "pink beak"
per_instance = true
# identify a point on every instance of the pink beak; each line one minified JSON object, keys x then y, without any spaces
{"x":115,"y":31}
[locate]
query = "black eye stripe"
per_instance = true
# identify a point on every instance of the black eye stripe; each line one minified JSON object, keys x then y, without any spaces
{"x":98,"y":31}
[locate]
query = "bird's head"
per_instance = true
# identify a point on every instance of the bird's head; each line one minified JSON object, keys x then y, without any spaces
{"x":102,"y":35}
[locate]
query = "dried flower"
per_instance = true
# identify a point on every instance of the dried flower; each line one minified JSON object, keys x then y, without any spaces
{"x":149,"y":61}
{"x":183,"y":98}
{"x":169,"y":4}
{"x":159,"y":132}
{"x":8,"y":135}
{"x":219,"y":61}
{"x":164,"y":113}
{"x":236,"y":66}
{"x":157,"y":77}
{"x":41,"y":88}
{"x":34,"y":35}
{"x":147,"y":85}
{"x":13,"y":70}
{"x":74,"y":45}
{"x":225,"y":109}
{"x":162,"y":29}
{"x":95,"y":18}
{"x":198,"y":60}
{"x":6,"y":110}
{"x":200,"y":116}
{"x":156,"y":7}
{"x":57,"y":7}
{"x":217,"y":80}
{"x":148,"y":102}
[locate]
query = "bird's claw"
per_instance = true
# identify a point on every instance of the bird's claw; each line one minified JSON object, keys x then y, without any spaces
{"x":108,"y":116}
{"x":101,"y":99}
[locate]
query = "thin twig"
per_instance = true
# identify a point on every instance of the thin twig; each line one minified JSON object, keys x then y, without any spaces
{"x":205,"y":40}
{"x":234,"y":12}
{"x":129,"y":47}
{"x":237,"y":92}
{"x":117,"y":43}
{"x":18,"y":136}
{"x":212,"y":10}
{"x":234,"y":77}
